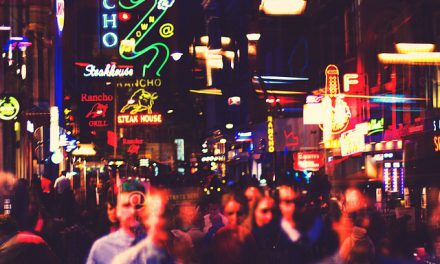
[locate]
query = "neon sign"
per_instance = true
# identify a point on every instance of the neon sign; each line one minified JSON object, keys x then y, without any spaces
{"x":60,"y":14}
{"x":9,"y":108}
{"x":128,"y":48}
{"x":110,"y":70}
{"x":270,"y":139}
{"x":291,"y":139}
{"x":135,"y":141}
{"x":375,"y":126}
{"x":140,"y":101}
{"x":140,"y":83}
{"x":133,"y":149}
{"x":109,"y":22}
{"x":336,"y":111}
{"x":349,"y":80}
{"x":96,"y":98}
{"x":146,"y":119}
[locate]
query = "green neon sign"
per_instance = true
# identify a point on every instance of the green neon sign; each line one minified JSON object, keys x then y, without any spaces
{"x":128,"y":48}
{"x":9,"y":108}
{"x":375,"y":126}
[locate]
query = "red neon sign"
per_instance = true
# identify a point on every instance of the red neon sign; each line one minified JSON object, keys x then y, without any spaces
{"x":290,"y":139}
{"x":140,"y":119}
{"x":133,"y":149}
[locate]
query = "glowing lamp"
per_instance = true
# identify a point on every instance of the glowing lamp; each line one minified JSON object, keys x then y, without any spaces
{"x":229,"y":126}
{"x":176,"y":55}
{"x":253,"y":36}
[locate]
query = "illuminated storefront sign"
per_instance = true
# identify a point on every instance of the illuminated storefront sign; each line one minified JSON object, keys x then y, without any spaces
{"x":109,"y":24}
{"x":352,"y":141}
{"x":133,"y":149}
{"x":130,"y":45}
{"x":110,"y":70}
{"x":9,"y":107}
{"x":235,"y":100}
{"x":243,"y":136}
{"x":375,"y":126}
{"x":310,"y":161}
{"x":60,"y":14}
{"x":139,"y":83}
{"x":270,"y":138}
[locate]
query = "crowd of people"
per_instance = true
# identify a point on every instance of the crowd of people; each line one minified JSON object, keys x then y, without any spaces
{"x":246,"y":223}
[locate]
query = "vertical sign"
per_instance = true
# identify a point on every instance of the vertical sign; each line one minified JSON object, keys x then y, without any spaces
{"x":109,"y":24}
{"x":270,"y":140}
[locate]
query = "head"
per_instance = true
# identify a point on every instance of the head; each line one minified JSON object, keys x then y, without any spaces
{"x":263,"y":212}
{"x":287,"y":197}
{"x":188,"y":212}
{"x":252,"y":193}
{"x":234,"y":209}
{"x":130,"y":203}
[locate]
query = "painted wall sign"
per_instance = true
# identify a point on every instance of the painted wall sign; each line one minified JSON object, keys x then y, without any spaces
{"x":110,"y":70}
{"x":109,"y":24}
{"x":270,"y":136}
{"x":133,"y":45}
{"x":376,"y":126}
{"x":9,"y":107}
{"x":310,"y":161}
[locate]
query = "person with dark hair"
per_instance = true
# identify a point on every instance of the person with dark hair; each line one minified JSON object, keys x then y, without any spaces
{"x":22,"y":247}
{"x":130,"y":202}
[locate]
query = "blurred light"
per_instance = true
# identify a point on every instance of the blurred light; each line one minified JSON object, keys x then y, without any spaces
{"x":229,"y":126}
{"x":415,"y":58}
{"x":283,"y":7}
{"x":277,"y":79}
{"x":253,"y":36}
{"x":414,"y":47}
{"x":56,"y":157}
{"x":205,"y":39}
{"x":234,"y":100}
{"x":176,"y":55}
{"x":223,"y":141}
{"x":124,"y":16}
{"x":5,"y":28}
{"x":211,"y":91}
{"x":23,"y":71}
{"x":278,"y":92}
{"x":170,"y":111}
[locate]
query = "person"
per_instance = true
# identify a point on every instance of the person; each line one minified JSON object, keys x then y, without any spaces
{"x":287,"y":240}
{"x":62,"y":183}
{"x":128,"y":205}
{"x":233,"y":243}
{"x":21,"y":247}
{"x":153,"y":248}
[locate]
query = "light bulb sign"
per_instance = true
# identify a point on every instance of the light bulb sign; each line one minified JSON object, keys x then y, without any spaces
{"x":9,"y":107}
